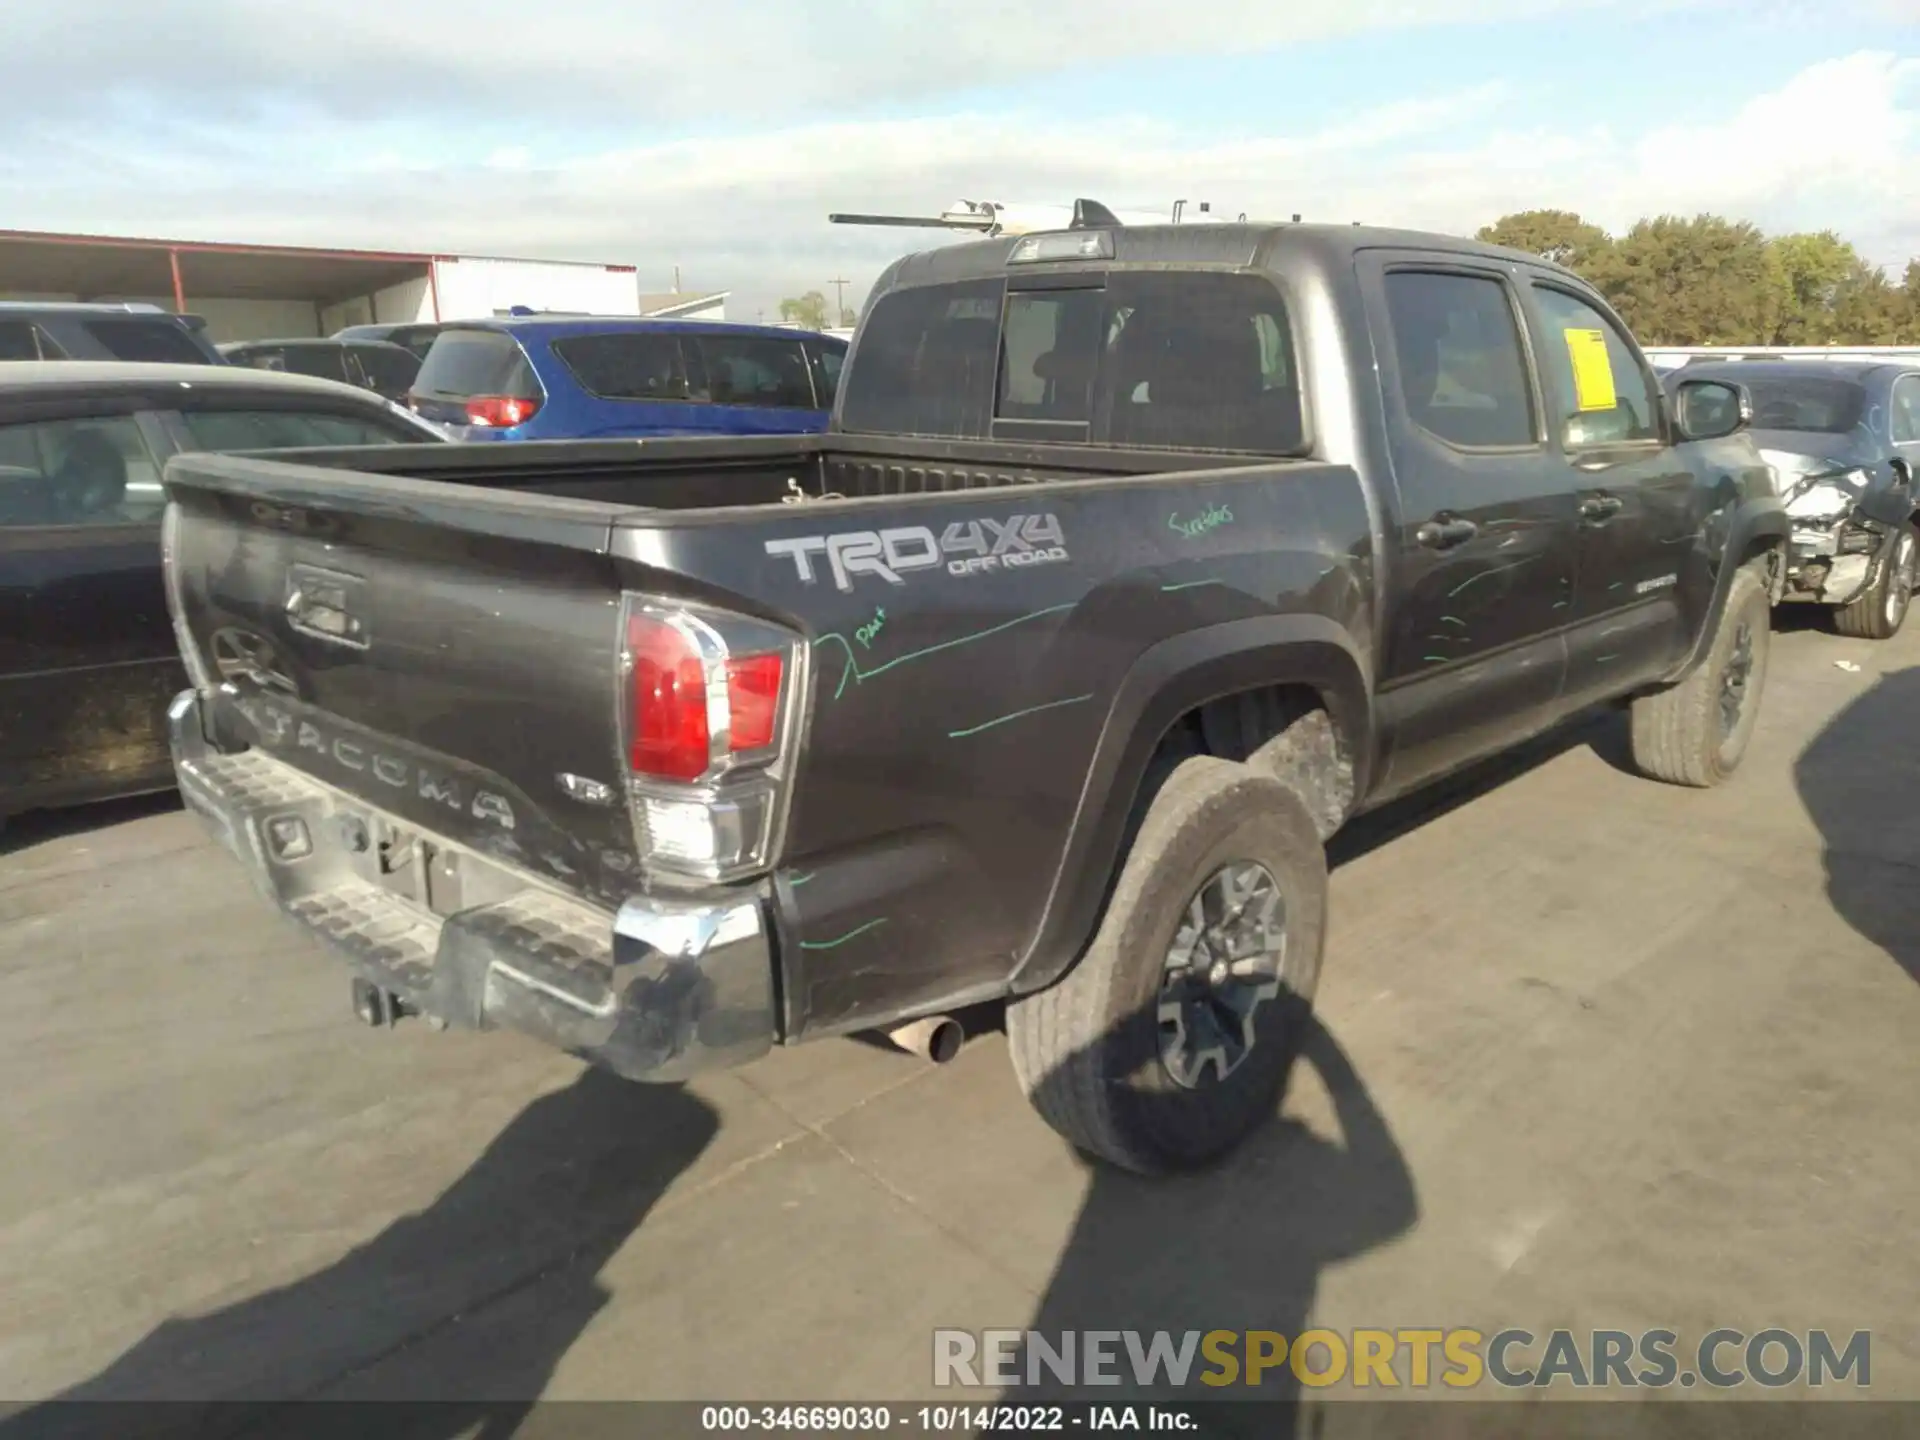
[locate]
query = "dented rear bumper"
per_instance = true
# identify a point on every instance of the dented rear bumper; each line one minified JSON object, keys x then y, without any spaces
{"x":659,"y":991}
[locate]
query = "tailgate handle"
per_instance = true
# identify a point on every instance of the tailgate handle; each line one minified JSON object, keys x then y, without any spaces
{"x":320,"y":604}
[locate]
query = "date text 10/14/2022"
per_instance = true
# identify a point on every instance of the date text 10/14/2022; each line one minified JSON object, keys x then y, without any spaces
{"x":944,"y":1419}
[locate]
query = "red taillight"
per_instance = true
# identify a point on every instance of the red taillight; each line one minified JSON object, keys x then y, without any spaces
{"x":500,"y":409}
{"x":753,"y":701}
{"x":669,"y":720}
{"x":671,"y":739}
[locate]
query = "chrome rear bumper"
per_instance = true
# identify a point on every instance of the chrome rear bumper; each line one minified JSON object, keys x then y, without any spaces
{"x":659,"y":991}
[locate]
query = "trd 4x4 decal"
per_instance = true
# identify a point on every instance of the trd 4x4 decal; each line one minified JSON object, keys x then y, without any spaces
{"x":965,"y":547}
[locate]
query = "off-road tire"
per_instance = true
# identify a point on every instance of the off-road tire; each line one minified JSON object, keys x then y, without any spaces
{"x":1087,"y":1050}
{"x":1880,"y":611}
{"x":1676,"y":732}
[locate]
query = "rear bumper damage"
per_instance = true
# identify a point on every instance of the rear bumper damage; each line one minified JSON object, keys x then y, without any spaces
{"x":659,"y":991}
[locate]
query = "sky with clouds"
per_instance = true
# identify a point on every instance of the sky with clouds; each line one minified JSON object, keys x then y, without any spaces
{"x":716,"y":135}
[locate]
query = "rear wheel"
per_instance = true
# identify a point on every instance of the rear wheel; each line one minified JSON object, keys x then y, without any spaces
{"x":1882,"y":610}
{"x":1696,"y":732}
{"x":1173,"y":1036}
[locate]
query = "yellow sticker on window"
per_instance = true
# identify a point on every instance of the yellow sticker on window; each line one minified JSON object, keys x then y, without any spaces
{"x":1592,"y":370}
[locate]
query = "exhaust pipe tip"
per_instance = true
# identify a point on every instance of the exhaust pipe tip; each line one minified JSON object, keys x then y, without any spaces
{"x":934,"y":1038}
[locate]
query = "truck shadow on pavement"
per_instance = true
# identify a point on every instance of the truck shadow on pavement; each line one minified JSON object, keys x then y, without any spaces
{"x":1240,"y":1246}
{"x":464,"y":1308}
{"x":1859,"y":780}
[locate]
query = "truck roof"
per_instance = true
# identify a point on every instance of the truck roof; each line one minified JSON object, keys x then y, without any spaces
{"x":1235,"y":243}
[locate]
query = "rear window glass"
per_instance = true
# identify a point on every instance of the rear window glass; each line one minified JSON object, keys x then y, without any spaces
{"x":464,"y":363}
{"x":387,"y":368}
{"x":416,"y":338}
{"x":146,"y":341}
{"x":926,"y":363}
{"x":22,"y":340}
{"x":1175,"y":360}
{"x":627,"y":366}
{"x":1050,"y":342}
{"x":323,"y":362}
{"x":1809,"y":403}
{"x":749,"y":370}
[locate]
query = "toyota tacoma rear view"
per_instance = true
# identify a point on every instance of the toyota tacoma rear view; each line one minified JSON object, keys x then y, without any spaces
{"x":1135,"y":563}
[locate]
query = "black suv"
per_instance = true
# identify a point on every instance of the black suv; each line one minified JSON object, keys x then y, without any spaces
{"x":132,"y":331}
{"x":374,"y":365}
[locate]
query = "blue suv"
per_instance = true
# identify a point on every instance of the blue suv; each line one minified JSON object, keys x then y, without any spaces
{"x":578,"y":378}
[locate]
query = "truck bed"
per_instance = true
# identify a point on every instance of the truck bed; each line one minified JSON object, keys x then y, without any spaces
{"x":437,"y":632}
{"x":728,"y":471}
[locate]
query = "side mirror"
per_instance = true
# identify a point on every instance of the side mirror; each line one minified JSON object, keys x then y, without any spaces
{"x":1711,"y":409}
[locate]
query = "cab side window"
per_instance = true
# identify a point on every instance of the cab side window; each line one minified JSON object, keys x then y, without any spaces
{"x":1597,"y":390}
{"x":1463,"y":374}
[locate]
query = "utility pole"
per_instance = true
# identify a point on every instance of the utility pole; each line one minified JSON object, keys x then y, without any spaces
{"x":839,"y":299}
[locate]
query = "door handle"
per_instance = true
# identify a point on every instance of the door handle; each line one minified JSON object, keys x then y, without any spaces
{"x":1444,"y":534}
{"x":1600,"y":507}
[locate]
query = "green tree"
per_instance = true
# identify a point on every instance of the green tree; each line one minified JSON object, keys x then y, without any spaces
{"x":1558,"y":235}
{"x":1700,"y":281}
{"x":809,"y":310}
{"x":1899,"y":305}
{"x":1867,"y":308}
{"x":1815,"y":271}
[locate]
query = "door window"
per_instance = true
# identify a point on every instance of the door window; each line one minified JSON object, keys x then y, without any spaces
{"x":749,"y":370}
{"x":622,"y":366}
{"x":1598,"y":390}
{"x":264,"y":429}
{"x":323,"y":362}
{"x":1463,"y":372}
{"x":1906,"y":410}
{"x":829,"y":359}
{"x":93,"y":471}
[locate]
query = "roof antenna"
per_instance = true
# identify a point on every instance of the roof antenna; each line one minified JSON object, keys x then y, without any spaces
{"x":1092,"y":215}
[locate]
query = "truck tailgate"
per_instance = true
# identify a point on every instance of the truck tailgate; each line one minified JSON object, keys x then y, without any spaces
{"x":443,"y":652}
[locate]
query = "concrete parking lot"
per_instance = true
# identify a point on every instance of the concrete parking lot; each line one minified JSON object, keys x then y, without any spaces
{"x":1601,"y":1053}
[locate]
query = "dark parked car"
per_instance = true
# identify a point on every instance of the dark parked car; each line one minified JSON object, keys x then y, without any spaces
{"x":1843,"y":438}
{"x":584,"y":378}
{"x":1136,"y":562}
{"x":88,"y":657}
{"x":370,"y":364}
{"x":32,"y":330}
{"x":417,"y":338}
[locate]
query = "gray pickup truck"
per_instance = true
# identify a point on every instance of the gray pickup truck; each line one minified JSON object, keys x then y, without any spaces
{"x":1135,"y":562}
